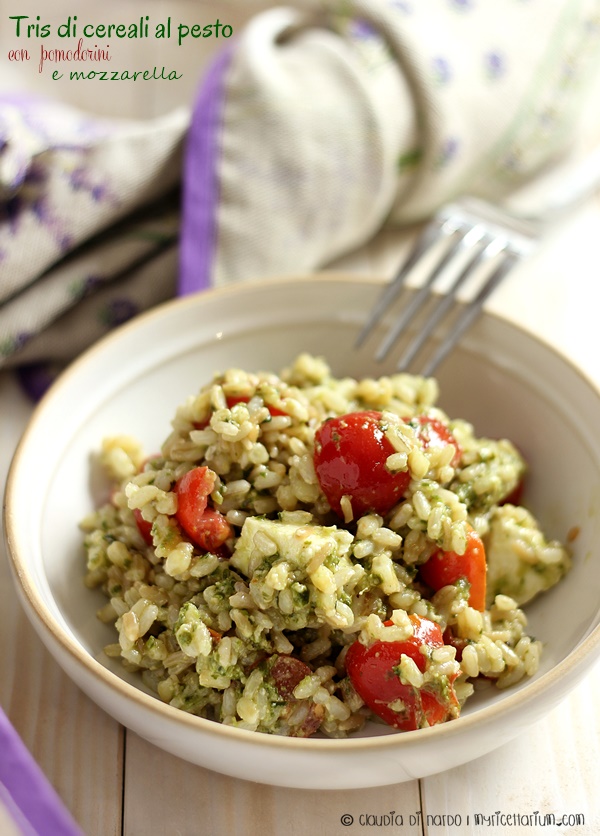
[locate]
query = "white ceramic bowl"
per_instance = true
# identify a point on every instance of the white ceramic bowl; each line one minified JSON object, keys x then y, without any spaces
{"x":502,"y":379}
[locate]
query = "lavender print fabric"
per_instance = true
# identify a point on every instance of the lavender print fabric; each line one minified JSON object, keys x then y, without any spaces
{"x":88,"y":209}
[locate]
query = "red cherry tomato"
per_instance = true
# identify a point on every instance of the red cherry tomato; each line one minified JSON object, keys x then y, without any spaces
{"x":350,"y":456}
{"x":444,"y":568}
{"x":457,"y":642}
{"x":212,"y":531}
{"x":373,"y":675}
{"x":206,"y":527}
{"x":231,"y":401}
{"x":434,"y":433}
{"x":144,"y":527}
{"x":515,"y":497}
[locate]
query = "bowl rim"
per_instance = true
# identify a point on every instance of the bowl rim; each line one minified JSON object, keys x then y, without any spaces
{"x":46,"y":625}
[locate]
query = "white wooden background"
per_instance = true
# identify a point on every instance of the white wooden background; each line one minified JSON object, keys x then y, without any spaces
{"x":115,"y":783}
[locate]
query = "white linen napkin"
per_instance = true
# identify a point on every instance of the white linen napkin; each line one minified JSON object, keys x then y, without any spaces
{"x":383,"y":110}
{"x":85,"y":203}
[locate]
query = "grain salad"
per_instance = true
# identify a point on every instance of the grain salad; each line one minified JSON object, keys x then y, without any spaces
{"x":306,"y":553}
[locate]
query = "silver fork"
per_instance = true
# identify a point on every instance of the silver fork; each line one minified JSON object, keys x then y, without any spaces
{"x":471,"y":237}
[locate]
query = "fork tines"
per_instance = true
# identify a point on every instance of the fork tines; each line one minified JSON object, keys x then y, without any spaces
{"x":471,"y":239}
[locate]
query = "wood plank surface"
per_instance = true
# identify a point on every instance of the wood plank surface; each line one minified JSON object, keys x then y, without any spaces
{"x":77,"y":745}
{"x":203,"y":802}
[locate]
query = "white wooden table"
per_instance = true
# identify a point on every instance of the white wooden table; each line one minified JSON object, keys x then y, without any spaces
{"x":113,"y":782}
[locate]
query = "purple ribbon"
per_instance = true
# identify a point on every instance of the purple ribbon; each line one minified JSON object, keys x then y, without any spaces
{"x":25,"y":791}
{"x":201,"y":182}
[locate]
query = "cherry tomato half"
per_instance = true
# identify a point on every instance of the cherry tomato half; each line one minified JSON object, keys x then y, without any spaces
{"x":206,"y":527}
{"x":445,"y":568}
{"x":231,"y":401}
{"x":515,"y":497}
{"x":212,"y":531}
{"x":350,"y":455}
{"x":373,"y":675}
{"x":144,"y":527}
{"x":434,"y":433}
